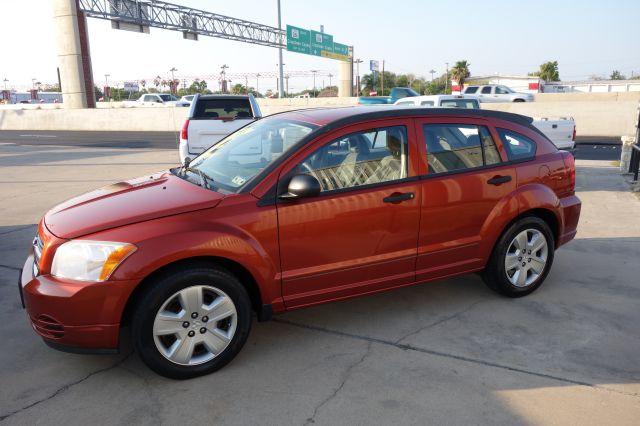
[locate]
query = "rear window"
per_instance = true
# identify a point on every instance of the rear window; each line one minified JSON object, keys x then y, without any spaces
{"x":460,"y":103}
{"x":223,"y":108}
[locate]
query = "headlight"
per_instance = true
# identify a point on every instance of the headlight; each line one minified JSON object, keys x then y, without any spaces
{"x":89,"y":260}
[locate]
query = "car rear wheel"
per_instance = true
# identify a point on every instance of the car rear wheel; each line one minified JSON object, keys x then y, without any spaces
{"x":192,"y":322}
{"x":518,"y":100}
{"x":521,"y":259}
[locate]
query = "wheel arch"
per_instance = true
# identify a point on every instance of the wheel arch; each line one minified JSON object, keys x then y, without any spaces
{"x":246,"y":278}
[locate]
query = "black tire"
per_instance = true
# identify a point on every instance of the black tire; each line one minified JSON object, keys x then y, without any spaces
{"x":161,"y":290}
{"x":495,"y":276}
{"x":518,"y":100}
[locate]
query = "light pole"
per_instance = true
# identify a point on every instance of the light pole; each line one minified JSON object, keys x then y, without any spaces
{"x":173,"y":80}
{"x":33,"y":83}
{"x":330,"y":75}
{"x":446,"y":81}
{"x":358,"y":62}
{"x":432,"y":72}
{"x":5,"y":83}
{"x":287,"y":91}
{"x":280,"y":71}
{"x":314,"y":82}
{"x":257,"y":83}
{"x":106,"y":86}
{"x":246,"y":83}
{"x":279,"y":81}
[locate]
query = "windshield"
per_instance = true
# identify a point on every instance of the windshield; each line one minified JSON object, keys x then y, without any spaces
{"x":166,"y":98}
{"x":242,"y":155}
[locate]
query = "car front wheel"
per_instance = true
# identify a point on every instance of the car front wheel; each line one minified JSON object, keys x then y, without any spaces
{"x":521,"y":259}
{"x":191,"y":322}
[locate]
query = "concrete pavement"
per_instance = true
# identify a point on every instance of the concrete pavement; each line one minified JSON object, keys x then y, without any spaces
{"x":448,"y":352}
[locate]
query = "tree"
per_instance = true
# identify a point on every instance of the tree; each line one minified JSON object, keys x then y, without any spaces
{"x":238,"y":89}
{"x":460,"y":72}
{"x":617,"y":75}
{"x":548,"y":71}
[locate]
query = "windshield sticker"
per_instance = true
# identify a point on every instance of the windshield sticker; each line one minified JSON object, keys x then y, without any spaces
{"x":238,"y":180}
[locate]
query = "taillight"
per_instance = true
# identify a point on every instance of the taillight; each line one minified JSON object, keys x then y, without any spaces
{"x":573,"y":138}
{"x":184,"y":134}
{"x":570,"y":164}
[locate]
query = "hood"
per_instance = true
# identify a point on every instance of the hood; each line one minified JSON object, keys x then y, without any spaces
{"x":128,"y":202}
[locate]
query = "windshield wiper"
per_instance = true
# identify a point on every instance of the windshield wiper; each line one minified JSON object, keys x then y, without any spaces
{"x":203,"y":176}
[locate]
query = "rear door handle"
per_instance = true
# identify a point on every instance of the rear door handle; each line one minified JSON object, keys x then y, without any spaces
{"x":499,"y":180}
{"x":397,"y":197}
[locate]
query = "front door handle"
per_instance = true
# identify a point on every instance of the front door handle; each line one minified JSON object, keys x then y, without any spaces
{"x":499,"y":180}
{"x":398,"y":197}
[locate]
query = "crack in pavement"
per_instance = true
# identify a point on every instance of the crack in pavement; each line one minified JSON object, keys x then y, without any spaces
{"x":345,"y":377}
{"x":64,"y":388}
{"x":440,"y":321}
{"x":17,"y":229}
{"x":408,"y":347}
{"x":13,"y":268}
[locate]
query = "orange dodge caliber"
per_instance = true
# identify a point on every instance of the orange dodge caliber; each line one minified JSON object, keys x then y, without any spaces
{"x":293,"y":210}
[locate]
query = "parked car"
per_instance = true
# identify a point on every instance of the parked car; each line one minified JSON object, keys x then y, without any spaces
{"x":396,"y":93}
{"x":497,"y":93}
{"x":293,"y":210}
{"x":443,"y":101}
{"x":211,"y":118}
{"x":155,"y":99}
{"x":186,"y":100}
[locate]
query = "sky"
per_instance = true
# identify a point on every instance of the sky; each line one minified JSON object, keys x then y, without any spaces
{"x":412,"y":36}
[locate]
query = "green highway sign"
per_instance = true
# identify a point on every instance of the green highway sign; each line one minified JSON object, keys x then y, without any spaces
{"x":321,"y":42}
{"x":315,"y":43}
{"x":298,"y":40}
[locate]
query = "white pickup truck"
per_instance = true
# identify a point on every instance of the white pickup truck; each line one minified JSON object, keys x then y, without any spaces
{"x":497,"y":93}
{"x":156,"y":99}
{"x":211,"y":118}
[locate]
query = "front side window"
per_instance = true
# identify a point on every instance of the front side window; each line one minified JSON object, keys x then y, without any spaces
{"x":361,"y":158}
{"x":458,"y":147}
{"x":242,"y":155}
{"x":502,"y":90}
{"x":518,"y":147}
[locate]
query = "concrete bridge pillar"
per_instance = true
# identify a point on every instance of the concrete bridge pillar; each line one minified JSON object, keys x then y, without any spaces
{"x":74,"y":58}
{"x":345,"y":79}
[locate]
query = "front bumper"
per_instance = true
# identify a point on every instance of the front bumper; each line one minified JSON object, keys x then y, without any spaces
{"x":78,"y":315}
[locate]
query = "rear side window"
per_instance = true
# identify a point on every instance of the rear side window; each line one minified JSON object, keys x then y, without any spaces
{"x":426,"y":103}
{"x":223,"y":108}
{"x":471,"y":89}
{"x":518,"y":147}
{"x":458,"y":147}
{"x":486,"y":90}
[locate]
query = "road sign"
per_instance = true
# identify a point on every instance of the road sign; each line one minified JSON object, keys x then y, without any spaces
{"x":374,"y":65}
{"x":321,"y":42}
{"x":298,"y":40}
{"x":315,"y":43}
{"x":131,"y":86}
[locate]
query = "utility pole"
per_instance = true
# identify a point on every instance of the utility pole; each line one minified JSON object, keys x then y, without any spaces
{"x":258,"y":83}
{"x":173,"y":81}
{"x":314,"y":82}
{"x":106,"y":86}
{"x":382,"y":79}
{"x":5,"y":83}
{"x":358,"y":62}
{"x":432,"y":73}
{"x":280,"y":71}
{"x":330,"y":75}
{"x":246,"y":83}
{"x":446,"y":81}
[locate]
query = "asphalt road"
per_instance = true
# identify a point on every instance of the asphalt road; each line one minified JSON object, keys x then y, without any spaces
{"x":587,"y":149}
{"x":447,"y":352}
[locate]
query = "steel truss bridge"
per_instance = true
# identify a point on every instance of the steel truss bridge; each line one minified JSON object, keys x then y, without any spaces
{"x":189,"y":21}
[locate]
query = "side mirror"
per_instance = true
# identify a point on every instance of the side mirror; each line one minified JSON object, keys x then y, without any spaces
{"x":302,"y":186}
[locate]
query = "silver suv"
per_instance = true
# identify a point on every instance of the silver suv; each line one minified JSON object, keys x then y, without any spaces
{"x":497,"y":93}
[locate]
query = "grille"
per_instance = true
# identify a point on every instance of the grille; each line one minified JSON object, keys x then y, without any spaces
{"x":47,"y":326}
{"x":38,"y":245}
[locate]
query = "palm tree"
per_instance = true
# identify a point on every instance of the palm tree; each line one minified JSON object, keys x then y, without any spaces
{"x":460,"y":72}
